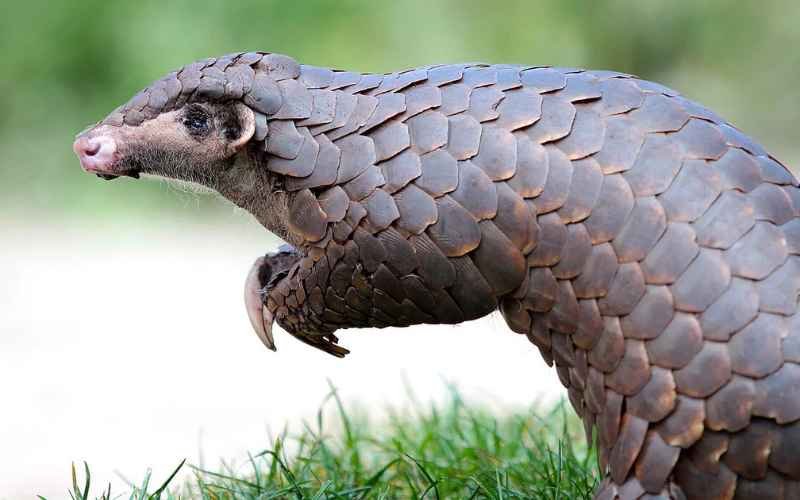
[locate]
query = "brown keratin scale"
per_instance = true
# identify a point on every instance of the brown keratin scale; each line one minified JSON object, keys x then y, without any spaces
{"x":649,"y":249}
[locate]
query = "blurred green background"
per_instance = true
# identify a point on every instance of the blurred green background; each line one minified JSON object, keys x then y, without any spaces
{"x":122,"y":293}
{"x":65,"y":65}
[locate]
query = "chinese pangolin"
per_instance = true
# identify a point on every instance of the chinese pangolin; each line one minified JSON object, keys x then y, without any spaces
{"x":648,"y":248}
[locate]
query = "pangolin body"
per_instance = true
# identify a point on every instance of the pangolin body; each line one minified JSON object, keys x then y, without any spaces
{"x":648,"y":248}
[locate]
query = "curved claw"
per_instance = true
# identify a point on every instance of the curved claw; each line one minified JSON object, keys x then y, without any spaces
{"x":260,"y":317}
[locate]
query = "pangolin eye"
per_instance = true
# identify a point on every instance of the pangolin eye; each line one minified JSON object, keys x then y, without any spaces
{"x":196,"y":121}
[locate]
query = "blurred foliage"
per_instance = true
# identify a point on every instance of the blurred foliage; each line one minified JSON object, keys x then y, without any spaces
{"x":65,"y":65}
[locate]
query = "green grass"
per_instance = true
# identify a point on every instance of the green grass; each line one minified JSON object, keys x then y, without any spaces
{"x":453,"y":450}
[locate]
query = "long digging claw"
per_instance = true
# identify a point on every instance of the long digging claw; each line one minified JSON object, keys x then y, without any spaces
{"x":266,"y":324}
{"x":260,"y":317}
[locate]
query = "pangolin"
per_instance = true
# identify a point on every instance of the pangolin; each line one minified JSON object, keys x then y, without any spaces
{"x":648,"y":248}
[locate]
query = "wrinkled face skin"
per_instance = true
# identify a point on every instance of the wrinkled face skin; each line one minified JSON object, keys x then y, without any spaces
{"x":196,"y":143}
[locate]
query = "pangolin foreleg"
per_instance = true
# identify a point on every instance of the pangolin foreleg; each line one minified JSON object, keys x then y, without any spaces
{"x":271,"y":289}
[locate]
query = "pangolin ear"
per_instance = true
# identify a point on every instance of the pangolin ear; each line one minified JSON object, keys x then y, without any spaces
{"x":247,"y":124}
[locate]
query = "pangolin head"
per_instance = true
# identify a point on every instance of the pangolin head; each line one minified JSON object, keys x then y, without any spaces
{"x":191,"y":123}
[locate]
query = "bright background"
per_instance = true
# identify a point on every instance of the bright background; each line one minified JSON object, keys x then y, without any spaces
{"x":123,"y":339}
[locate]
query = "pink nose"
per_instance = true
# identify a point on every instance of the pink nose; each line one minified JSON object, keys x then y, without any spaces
{"x":96,"y":154}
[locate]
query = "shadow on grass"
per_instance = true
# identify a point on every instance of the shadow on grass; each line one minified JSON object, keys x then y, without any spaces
{"x":451,"y":450}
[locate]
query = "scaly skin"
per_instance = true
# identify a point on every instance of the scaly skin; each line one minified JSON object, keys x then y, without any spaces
{"x":648,"y":248}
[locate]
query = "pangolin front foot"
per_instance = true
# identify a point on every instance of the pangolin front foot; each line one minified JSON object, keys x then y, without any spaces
{"x":265,"y":274}
{"x":260,"y":317}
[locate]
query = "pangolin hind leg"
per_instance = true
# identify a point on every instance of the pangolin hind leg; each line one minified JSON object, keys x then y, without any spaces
{"x":669,"y":433}
{"x":580,"y":352}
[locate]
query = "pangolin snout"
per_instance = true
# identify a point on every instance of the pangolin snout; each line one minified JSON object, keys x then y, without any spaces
{"x":97,"y":154}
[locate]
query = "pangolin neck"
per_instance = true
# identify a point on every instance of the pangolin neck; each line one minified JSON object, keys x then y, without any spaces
{"x":251,"y":187}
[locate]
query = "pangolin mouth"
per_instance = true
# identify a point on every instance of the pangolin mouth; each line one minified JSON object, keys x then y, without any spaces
{"x":133,"y":174}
